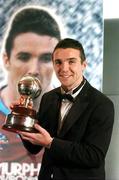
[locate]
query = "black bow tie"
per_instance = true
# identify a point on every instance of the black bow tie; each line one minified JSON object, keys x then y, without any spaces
{"x":66,"y":96}
{"x":69,"y":96}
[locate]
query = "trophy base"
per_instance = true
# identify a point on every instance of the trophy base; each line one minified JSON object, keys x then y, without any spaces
{"x":16,"y":128}
{"x":16,"y":122}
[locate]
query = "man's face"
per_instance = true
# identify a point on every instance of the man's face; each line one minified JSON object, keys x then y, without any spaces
{"x":31,"y":53}
{"x":68,"y":67}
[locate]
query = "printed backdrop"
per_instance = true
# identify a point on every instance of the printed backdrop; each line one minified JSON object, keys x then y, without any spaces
{"x":81,"y":20}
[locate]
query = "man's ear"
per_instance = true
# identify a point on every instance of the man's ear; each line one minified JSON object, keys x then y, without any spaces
{"x":6,"y":61}
{"x":84,"y":65}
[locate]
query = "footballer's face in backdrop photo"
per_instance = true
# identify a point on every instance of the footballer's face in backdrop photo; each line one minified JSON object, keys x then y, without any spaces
{"x":31,"y":53}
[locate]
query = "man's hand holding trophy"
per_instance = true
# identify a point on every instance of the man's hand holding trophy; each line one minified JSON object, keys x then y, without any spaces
{"x":23,"y":116}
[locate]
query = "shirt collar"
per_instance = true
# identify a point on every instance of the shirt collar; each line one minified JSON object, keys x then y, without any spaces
{"x":76,"y":90}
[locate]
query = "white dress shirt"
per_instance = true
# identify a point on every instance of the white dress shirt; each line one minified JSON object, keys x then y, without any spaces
{"x":66,"y":105}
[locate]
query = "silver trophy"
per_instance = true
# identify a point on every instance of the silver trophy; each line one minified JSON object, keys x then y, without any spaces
{"x":23,"y":116}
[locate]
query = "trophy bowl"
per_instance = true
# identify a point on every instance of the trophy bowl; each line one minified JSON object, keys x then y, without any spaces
{"x":23,"y":116}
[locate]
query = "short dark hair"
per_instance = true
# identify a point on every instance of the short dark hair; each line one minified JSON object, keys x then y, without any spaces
{"x":31,"y":19}
{"x":71,"y":43}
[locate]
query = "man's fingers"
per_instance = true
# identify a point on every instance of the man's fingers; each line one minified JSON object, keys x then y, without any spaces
{"x":39,"y":128}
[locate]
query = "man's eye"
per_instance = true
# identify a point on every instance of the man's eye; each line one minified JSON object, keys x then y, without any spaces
{"x":45,"y":58}
{"x":58,"y":62}
{"x":71,"y":62}
{"x":23,"y":57}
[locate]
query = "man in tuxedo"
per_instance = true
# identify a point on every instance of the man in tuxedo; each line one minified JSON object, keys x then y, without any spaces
{"x":75,"y":121}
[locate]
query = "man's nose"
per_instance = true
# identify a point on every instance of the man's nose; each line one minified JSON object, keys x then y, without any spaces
{"x":65,"y":66}
{"x":34,"y":68}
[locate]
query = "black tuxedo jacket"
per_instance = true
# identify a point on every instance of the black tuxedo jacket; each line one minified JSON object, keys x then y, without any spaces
{"x":78,"y":151}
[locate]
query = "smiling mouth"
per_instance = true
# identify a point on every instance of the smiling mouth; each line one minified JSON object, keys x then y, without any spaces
{"x":65,"y":77}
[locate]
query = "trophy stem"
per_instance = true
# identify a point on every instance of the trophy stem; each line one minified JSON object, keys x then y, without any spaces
{"x":27,"y":101}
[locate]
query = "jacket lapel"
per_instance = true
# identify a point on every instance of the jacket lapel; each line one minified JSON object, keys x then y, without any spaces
{"x":54,"y":114}
{"x":75,"y":112}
